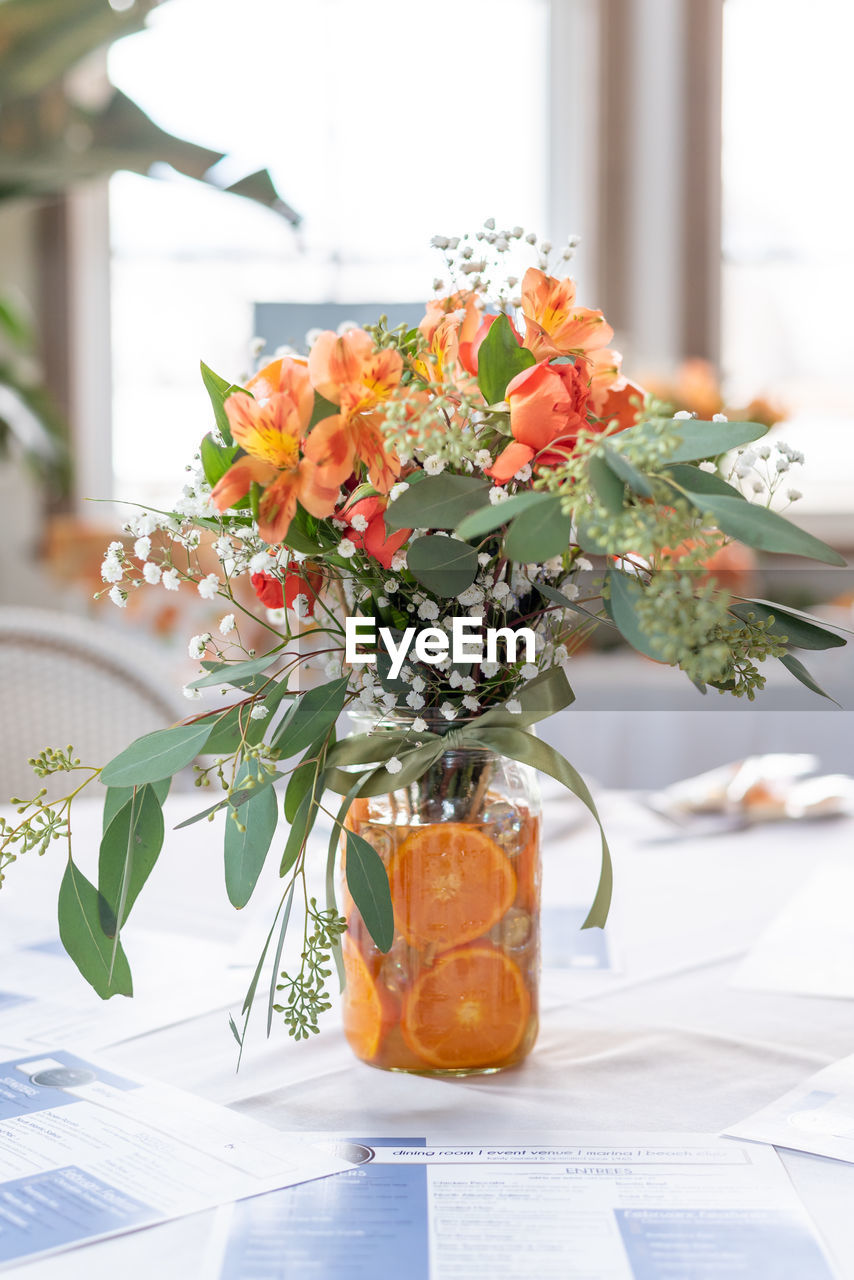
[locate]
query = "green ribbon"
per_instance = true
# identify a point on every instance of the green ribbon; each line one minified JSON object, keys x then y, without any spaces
{"x":497,"y":730}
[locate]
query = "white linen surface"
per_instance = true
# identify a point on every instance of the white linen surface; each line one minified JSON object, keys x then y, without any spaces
{"x":663,"y":1043}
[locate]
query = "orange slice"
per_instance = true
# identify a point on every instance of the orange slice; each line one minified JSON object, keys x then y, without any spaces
{"x":449,"y":884}
{"x":362,"y":1008}
{"x":469,"y":1010}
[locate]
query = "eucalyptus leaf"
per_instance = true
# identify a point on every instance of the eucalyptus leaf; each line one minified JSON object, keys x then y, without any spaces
{"x":302,"y":778}
{"x":322,"y":409}
{"x":367,"y":881}
{"x":800,"y":631}
{"x":698,"y":439}
{"x":766,"y":530}
{"x":304,"y":820}
{"x":444,"y":566}
{"x":129,"y":851}
{"x":494,"y":516}
{"x":539,"y":533}
{"x":499,"y":359}
{"x":117,"y":797}
{"x":625,"y":593}
{"x":799,"y":671}
{"x":437,"y":502}
{"x":155,"y":756}
{"x":277,"y":959}
{"x":557,"y":597}
{"x":626,"y":471}
{"x":313,"y":714}
{"x":246,"y":851}
{"x":688,"y":477}
{"x":80,"y":911}
{"x":235,"y":726}
{"x":231,"y":672}
{"x":606,"y":484}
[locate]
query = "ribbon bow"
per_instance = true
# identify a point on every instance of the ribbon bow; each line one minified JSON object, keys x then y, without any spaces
{"x":497,"y":730}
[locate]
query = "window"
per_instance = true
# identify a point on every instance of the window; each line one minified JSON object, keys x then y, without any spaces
{"x":788,"y":253}
{"x":368,"y":116}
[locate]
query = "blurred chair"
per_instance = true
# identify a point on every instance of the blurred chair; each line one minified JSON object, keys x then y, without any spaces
{"x":67,"y":680}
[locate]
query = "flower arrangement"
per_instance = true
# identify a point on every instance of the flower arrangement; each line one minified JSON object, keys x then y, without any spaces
{"x":490,"y":463}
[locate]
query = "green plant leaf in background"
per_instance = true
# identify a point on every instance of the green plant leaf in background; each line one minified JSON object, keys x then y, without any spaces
{"x":129,"y":851}
{"x":437,"y":502}
{"x":499,"y":359}
{"x":444,"y":566}
{"x":367,"y":881}
{"x":799,"y":671}
{"x":313,"y":713}
{"x":80,"y":910}
{"x":246,"y":850}
{"x":539,"y":533}
{"x":301,"y":827}
{"x":492,"y":517}
{"x":157,"y":755}
{"x":766,"y":530}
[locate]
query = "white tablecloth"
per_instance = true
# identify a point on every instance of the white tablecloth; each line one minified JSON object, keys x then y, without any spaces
{"x":662,"y":1043}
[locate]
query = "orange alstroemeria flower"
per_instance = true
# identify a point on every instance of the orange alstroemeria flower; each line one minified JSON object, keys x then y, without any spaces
{"x":554,"y":325}
{"x":548,"y":407}
{"x":348,"y":370}
{"x":278,"y":456}
{"x":439,"y":308}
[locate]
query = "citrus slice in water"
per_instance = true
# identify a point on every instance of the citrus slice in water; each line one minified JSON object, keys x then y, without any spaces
{"x":469,"y":1010}
{"x":362,"y":1010}
{"x":449,"y":884}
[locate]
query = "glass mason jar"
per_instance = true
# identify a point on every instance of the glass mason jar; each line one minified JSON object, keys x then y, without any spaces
{"x":456,"y":994}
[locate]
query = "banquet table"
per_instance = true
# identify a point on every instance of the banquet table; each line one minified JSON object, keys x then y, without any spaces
{"x":660,"y":1043}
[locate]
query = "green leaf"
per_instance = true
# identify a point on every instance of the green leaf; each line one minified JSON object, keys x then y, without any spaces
{"x":129,"y":850}
{"x":216,"y":458}
{"x":624,"y":597}
{"x":233,"y":672}
{"x":367,"y":881}
{"x":199,"y":817}
{"x":557,"y":597}
{"x":219,"y":390}
{"x":698,"y":439}
{"x":801,"y":631}
{"x":236,"y":725}
{"x":304,"y":820}
{"x":322,"y":409}
{"x":766,"y":530}
{"x":313,"y":713}
{"x":799,"y":671}
{"x":538,"y":533}
{"x":277,"y":959}
{"x":499,"y":359}
{"x":300,"y":783}
{"x":437,"y":502}
{"x":117,"y":797}
{"x":444,"y":566}
{"x":246,"y":851}
{"x":494,"y":516}
{"x":607,"y":485}
{"x":625,"y":471}
{"x":80,"y":911}
{"x":688,"y":477}
{"x":522,"y":746}
{"x":157,"y":755}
